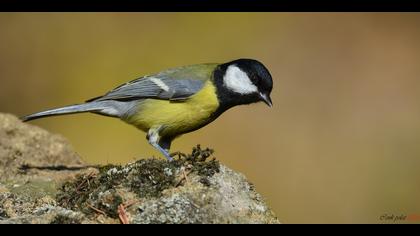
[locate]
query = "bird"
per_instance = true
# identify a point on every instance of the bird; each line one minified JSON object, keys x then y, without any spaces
{"x":180,"y":100}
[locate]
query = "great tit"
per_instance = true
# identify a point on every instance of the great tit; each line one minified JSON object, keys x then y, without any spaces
{"x":179,"y":100}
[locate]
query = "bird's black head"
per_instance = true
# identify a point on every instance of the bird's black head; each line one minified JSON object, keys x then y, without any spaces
{"x":243,"y":81}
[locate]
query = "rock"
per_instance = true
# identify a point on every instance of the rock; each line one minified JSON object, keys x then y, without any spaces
{"x":55,"y":187}
{"x":24,"y":188}
{"x":22,"y":144}
{"x":228,"y":199}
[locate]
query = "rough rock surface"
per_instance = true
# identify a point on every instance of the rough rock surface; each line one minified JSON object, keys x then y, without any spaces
{"x":23,"y":145}
{"x":43,"y":181}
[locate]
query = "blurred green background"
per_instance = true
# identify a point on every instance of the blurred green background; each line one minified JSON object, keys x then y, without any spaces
{"x":340,"y":145}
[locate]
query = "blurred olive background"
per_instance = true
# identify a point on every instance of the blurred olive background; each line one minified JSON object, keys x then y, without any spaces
{"x":340,"y":145}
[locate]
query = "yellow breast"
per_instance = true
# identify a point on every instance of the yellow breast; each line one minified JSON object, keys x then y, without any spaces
{"x":177,"y":117}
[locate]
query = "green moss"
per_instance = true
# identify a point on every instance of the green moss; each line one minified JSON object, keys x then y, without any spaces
{"x":109,"y":202}
{"x":33,"y":189}
{"x":146,"y":178}
{"x":90,"y":193}
{"x":152,"y":176}
{"x":3,"y":214}
{"x":203,"y":168}
{"x":61,"y":219}
{"x":74,"y":195}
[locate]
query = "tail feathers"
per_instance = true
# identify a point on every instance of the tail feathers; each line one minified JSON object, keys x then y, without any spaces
{"x":87,"y":107}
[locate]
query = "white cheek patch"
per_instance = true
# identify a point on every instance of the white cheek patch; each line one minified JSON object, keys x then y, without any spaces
{"x":238,"y":81}
{"x":160,"y":83}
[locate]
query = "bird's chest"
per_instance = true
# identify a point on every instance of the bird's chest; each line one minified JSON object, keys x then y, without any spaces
{"x":178,"y":117}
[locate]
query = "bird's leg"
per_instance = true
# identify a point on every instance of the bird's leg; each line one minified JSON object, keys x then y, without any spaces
{"x":165,"y":143}
{"x":154,"y":139}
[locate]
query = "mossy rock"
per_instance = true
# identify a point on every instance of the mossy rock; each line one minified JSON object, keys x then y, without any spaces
{"x":146,"y":179}
{"x":42,"y":180}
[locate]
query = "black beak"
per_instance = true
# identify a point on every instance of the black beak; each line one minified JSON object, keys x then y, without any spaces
{"x":266,"y":99}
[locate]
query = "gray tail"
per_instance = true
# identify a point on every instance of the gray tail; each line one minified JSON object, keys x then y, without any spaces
{"x":87,"y":107}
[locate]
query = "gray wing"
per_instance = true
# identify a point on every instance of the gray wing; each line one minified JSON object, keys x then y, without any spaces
{"x":173,"y":84}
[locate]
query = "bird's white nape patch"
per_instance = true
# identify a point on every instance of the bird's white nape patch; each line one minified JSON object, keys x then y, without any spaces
{"x":160,"y":83}
{"x":238,"y":81}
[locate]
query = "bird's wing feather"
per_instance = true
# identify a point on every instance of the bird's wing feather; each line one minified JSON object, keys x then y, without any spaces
{"x":173,"y":84}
